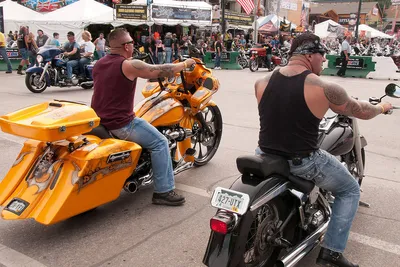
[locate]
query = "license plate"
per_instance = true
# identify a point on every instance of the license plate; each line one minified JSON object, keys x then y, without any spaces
{"x":230,"y":200}
{"x":17,"y":206}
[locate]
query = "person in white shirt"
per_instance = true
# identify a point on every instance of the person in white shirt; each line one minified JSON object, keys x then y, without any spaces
{"x":87,"y":50}
{"x":345,"y":54}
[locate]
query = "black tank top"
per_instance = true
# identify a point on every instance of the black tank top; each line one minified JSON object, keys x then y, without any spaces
{"x":287,"y":126}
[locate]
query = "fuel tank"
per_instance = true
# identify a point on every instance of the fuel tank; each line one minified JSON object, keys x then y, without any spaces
{"x":338,"y":141}
{"x":160,"y":110}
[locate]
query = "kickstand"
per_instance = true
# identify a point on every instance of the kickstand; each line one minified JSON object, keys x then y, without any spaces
{"x":364,"y":204}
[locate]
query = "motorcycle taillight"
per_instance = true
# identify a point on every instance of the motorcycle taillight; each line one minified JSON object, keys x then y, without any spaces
{"x":223,"y":222}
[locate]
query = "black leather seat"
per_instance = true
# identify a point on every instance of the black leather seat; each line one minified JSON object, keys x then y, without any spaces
{"x":266,"y":165}
{"x":101,"y":132}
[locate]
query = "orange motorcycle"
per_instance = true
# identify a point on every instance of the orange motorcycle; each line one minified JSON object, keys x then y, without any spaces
{"x":71,"y":164}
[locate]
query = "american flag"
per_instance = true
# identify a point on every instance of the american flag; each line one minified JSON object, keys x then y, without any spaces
{"x":247,"y":5}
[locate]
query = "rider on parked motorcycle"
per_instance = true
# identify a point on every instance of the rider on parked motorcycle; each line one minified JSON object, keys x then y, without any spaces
{"x":72,"y":54}
{"x":115,"y":77}
{"x":268,"y":46}
{"x":87,"y":49}
{"x":292,"y":101}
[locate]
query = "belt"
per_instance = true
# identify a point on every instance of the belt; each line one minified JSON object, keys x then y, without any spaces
{"x":296,"y":159}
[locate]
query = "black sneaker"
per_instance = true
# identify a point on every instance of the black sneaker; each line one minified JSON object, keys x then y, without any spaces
{"x":331,"y":258}
{"x":169,"y":198}
{"x":9,"y":71}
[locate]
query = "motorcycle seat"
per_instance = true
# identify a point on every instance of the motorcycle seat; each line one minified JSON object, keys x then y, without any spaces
{"x":266,"y":165}
{"x":101,"y":132}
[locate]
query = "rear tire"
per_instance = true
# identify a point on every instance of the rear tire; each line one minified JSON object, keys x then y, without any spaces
{"x":86,"y":87}
{"x":32,"y":83}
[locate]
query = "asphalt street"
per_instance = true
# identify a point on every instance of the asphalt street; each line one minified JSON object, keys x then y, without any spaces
{"x":131,"y":231}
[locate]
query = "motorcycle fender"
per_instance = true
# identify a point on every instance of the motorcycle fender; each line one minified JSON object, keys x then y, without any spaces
{"x":363,"y":141}
{"x":75,"y":182}
{"x":227,"y":250}
{"x":39,"y":70}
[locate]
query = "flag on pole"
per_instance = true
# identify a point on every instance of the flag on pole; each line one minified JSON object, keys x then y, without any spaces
{"x":248,"y":5}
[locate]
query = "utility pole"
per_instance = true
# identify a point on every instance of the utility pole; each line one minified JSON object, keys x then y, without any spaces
{"x":223,"y":17}
{"x":358,"y":18}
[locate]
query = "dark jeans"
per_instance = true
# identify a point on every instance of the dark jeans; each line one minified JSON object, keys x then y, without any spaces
{"x":3,"y":53}
{"x":82,"y":64}
{"x":217,"y":61}
{"x":343,"y":68}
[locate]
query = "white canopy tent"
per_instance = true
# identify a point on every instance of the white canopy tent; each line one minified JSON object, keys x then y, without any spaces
{"x":328,"y":29}
{"x":16,"y":15}
{"x":74,"y":17}
{"x":371,"y":32}
{"x":275,"y":20}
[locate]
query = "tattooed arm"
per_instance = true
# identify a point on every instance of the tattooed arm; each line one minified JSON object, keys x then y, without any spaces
{"x":341,"y":103}
{"x":137,"y":68}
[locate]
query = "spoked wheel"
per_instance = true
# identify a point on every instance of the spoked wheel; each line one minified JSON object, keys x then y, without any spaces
{"x":253,"y":65}
{"x":259,"y":250}
{"x":284,"y":61}
{"x":33,"y":84}
{"x":206,"y":144}
{"x":243,"y":62}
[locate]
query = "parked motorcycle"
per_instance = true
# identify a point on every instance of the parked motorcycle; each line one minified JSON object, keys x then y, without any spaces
{"x":242,"y":58}
{"x":259,"y":59}
{"x":71,"y":164}
{"x":53,"y":72}
{"x":283,"y":54}
{"x":269,"y":217}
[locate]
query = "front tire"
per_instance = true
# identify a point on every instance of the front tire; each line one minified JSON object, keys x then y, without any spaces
{"x":87,"y":87}
{"x":284,"y":61}
{"x":202,"y":140}
{"x":253,"y":65}
{"x":32,"y":83}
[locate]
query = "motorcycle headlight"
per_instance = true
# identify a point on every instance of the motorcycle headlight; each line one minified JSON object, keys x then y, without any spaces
{"x":255,"y":52}
{"x":39,"y":59}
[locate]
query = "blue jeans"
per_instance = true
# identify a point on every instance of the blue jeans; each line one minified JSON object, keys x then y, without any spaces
{"x":70,"y":65}
{"x":168,"y":55}
{"x":160,"y":57}
{"x":328,"y":173}
{"x":269,"y":59}
{"x":82,"y":63}
{"x":3,"y":54}
{"x":217,"y":61}
{"x":32,"y":59}
{"x":101,"y":53}
{"x":146,"y":135}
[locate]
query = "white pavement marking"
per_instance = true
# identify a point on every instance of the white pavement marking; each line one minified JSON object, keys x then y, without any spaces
{"x":193,"y":190}
{"x":12,"y":258}
{"x":375,"y":243}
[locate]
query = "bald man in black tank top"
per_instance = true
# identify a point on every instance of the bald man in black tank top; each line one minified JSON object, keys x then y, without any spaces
{"x":291,"y":102}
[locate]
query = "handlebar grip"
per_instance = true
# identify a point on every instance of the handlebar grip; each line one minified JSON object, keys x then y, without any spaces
{"x":396,"y":107}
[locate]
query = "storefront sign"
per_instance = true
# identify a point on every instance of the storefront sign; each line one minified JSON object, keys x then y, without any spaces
{"x":12,"y":53}
{"x":1,"y":20}
{"x":168,"y":12}
{"x":289,"y":5}
{"x":353,"y":63}
{"x":225,"y":56}
{"x":131,"y":12}
{"x":239,"y":19}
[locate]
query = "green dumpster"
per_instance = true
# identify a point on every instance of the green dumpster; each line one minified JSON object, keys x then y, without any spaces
{"x":357,"y":67}
{"x":229,"y":60}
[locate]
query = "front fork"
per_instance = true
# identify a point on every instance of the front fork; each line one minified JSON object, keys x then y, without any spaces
{"x":44,"y":72}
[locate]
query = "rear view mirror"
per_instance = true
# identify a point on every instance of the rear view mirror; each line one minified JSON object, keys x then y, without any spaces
{"x":392,"y":90}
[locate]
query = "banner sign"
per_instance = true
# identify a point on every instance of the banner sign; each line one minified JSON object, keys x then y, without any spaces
{"x":332,"y":28}
{"x":238,"y":18}
{"x":353,"y":63}
{"x":12,"y":53}
{"x":289,"y":5}
{"x":2,"y":20}
{"x":225,"y":56}
{"x":177,"y":13}
{"x":131,"y":12}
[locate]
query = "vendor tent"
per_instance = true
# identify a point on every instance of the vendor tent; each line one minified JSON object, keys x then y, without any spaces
{"x":273,"y":20}
{"x":371,"y":32}
{"x":16,"y":15}
{"x":328,"y":29}
{"x":74,"y":17}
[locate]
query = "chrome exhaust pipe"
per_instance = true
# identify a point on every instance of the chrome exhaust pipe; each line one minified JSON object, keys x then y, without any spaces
{"x":303,"y":248}
{"x":131,"y":187}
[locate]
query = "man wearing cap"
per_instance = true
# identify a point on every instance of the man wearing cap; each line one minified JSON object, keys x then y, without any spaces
{"x":72,"y":54}
{"x":291,"y":102}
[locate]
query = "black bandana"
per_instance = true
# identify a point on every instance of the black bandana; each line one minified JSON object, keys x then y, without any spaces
{"x":309,"y":48}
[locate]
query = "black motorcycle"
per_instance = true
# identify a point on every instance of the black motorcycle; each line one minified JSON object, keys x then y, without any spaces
{"x":270,"y":217}
{"x":51,"y":71}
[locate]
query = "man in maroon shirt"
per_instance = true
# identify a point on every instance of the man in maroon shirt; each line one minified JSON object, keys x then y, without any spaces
{"x":115,"y":77}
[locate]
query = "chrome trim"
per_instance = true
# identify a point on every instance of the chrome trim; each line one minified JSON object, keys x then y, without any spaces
{"x":269,"y":195}
{"x":304,"y":247}
{"x":44,"y":72}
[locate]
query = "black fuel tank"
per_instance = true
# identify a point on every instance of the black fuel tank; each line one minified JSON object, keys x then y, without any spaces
{"x":339,"y":141}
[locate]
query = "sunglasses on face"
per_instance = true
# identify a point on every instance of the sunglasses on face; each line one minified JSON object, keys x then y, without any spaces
{"x":130,"y":42}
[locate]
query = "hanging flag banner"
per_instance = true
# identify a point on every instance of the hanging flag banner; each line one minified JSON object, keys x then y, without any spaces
{"x":332,"y":28}
{"x":169,"y":12}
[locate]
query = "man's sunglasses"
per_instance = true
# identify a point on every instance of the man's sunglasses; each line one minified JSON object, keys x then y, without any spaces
{"x":130,"y":42}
